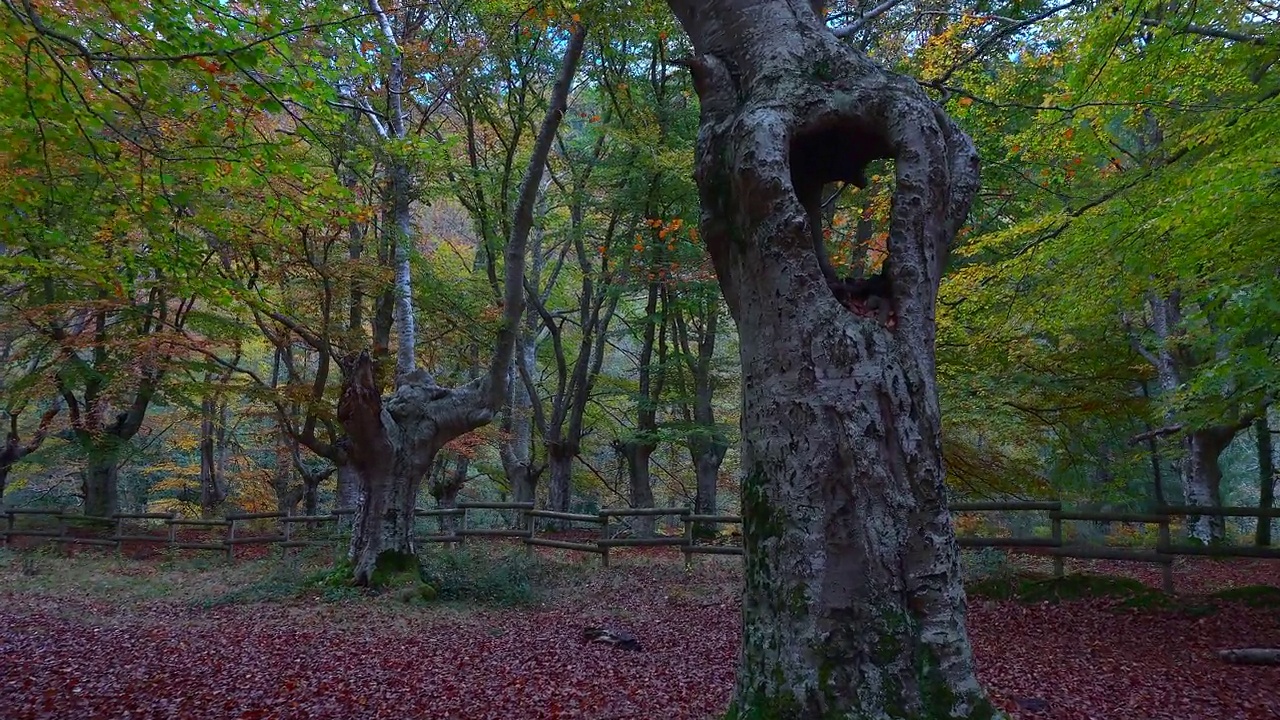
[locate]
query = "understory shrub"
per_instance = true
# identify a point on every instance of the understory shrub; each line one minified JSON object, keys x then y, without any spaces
{"x":508,"y":577}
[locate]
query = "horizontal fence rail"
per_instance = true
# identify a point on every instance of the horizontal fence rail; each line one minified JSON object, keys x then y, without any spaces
{"x":456,"y":525}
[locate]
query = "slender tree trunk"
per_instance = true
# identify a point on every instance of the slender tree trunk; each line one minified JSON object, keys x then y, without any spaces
{"x":406,"y":335}
{"x":1153,"y":451}
{"x":853,"y":605}
{"x":560,"y":476}
{"x":213,"y":484}
{"x":1266,"y":478}
{"x":707,"y":457}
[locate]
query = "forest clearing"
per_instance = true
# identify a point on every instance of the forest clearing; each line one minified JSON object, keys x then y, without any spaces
{"x":92,"y":637}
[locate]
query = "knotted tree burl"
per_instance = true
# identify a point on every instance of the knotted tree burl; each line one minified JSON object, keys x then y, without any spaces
{"x":853,"y":605}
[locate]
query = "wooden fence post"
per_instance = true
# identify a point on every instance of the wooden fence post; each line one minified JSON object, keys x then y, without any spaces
{"x":1059,"y":567}
{"x":231,"y":536}
{"x":604,"y":535}
{"x":173,"y":529}
{"x":8,"y":527}
{"x":62,"y":533}
{"x":687,"y":549}
{"x":1162,"y":546}
{"x":530,"y":524}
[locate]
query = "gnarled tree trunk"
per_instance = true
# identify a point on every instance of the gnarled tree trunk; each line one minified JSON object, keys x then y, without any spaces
{"x":392,"y":444}
{"x":853,"y":606}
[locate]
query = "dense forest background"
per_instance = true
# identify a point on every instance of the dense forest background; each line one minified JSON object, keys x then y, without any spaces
{"x":206,"y":208}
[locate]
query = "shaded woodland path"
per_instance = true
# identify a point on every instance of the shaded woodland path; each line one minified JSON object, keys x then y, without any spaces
{"x":67,"y":658}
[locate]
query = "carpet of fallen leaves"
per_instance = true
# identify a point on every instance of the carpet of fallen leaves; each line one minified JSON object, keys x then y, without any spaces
{"x":75,"y":658}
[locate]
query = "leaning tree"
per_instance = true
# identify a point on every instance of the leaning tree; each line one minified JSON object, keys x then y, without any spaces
{"x":853,"y":605}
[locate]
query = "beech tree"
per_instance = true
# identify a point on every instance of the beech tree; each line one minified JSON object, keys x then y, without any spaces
{"x":393,"y":442}
{"x":853,"y":605}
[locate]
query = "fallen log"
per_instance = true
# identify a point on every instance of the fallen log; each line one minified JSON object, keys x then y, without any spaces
{"x":1251,"y":656}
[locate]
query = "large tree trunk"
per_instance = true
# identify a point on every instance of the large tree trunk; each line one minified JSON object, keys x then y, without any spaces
{"x":853,"y":605}
{"x":1266,"y":478}
{"x":1202,"y":481}
{"x":100,"y":479}
{"x":560,"y":476}
{"x":640,"y":484}
{"x":348,"y":486}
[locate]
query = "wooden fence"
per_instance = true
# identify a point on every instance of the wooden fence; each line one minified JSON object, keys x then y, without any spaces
{"x":455,"y":527}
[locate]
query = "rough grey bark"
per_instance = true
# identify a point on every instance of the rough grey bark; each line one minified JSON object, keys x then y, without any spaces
{"x":853,"y":605}
{"x":1266,"y":477}
{"x":1201,"y":447}
{"x":393,"y":443}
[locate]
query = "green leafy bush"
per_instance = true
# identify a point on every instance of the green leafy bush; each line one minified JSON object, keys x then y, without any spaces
{"x":507,"y":578}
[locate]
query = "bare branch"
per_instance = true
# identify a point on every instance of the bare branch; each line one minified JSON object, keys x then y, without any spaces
{"x":845,"y":31}
{"x":1209,"y":32}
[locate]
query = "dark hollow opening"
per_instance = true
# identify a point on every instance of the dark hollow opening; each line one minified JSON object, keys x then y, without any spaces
{"x":840,"y":153}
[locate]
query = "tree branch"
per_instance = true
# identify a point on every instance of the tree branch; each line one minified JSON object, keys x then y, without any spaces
{"x":845,"y":31}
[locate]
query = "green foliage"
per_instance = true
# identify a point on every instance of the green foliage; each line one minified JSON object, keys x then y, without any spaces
{"x":285,"y":583}
{"x":1032,"y":588}
{"x":1257,"y":596}
{"x":471,"y":575}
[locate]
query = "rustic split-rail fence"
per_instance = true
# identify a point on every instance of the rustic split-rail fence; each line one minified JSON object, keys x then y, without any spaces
{"x":456,"y":527}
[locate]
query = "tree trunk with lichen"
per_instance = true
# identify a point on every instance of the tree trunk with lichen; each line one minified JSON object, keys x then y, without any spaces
{"x":853,"y":605}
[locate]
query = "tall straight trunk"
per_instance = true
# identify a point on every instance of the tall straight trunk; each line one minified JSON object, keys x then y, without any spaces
{"x":1202,"y":481}
{"x":639,"y":449}
{"x":1153,"y":452}
{"x":640,"y":484}
{"x":1266,"y":478}
{"x":853,"y":605}
{"x":213,"y":452}
{"x":559,"y":477}
{"x":406,"y":335}
{"x":706,"y":439}
{"x":101,"y":477}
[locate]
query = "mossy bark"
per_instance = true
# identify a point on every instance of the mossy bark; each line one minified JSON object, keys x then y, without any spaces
{"x":853,"y":605}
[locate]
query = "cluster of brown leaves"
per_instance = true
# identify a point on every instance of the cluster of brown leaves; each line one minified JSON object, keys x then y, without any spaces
{"x":1078,"y":660}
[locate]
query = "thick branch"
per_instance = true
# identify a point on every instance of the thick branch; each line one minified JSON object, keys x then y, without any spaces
{"x":513,"y":288}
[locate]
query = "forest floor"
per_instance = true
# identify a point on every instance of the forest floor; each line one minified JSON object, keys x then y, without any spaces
{"x":95,"y":636}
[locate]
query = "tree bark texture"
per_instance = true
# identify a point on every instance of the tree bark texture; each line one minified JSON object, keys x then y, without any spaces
{"x":853,"y":605}
{"x":1198,"y":464}
{"x":1266,"y":477}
